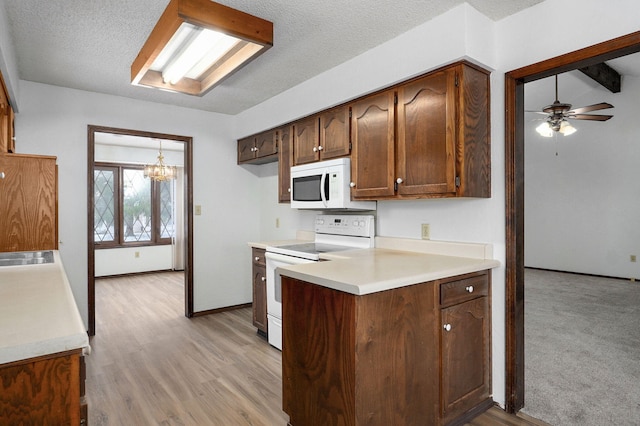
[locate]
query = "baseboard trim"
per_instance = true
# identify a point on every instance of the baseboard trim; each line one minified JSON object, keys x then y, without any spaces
{"x":580,"y":273}
{"x":219,"y":310}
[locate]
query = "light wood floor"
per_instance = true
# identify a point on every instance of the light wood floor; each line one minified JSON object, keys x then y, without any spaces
{"x":152,"y":366}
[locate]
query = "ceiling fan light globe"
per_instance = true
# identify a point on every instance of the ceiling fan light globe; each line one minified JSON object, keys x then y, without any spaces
{"x":567,"y":129}
{"x":544,"y":130}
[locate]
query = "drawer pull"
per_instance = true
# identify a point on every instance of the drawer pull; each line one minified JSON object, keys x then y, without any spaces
{"x":469,"y":288}
{"x":257,"y":258}
{"x":263,"y":278}
{"x":447,"y":327}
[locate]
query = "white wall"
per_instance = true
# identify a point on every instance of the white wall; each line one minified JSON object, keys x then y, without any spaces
{"x":53,"y":120}
{"x":131,"y":260}
{"x":582,"y":192}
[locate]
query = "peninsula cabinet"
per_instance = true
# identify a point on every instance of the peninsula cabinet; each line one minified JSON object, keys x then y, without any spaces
{"x":414,"y":355}
{"x":440,"y":147}
{"x":258,"y":149}
{"x":259,"y":291}
{"x":28,"y":203}
{"x":285,"y":159}
{"x":323,"y":136}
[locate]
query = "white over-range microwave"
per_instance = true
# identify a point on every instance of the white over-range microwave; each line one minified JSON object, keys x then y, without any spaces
{"x":325,"y":185}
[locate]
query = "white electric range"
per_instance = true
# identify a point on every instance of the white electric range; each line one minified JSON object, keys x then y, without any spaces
{"x":332,"y":233}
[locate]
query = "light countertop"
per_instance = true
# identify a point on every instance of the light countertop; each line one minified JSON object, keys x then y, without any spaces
{"x":371,"y":270}
{"x":38,"y":314}
{"x":393,"y":263}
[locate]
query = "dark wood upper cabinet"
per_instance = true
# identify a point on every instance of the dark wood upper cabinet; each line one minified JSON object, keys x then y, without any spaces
{"x":258,"y":149}
{"x":442,"y":141}
{"x":305,"y":140}
{"x":285,"y":159}
{"x":373,"y":150}
{"x":322,"y":137}
{"x":426,"y":135}
{"x":334,"y":133}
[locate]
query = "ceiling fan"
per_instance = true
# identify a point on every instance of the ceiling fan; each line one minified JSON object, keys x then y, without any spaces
{"x":558,"y":112}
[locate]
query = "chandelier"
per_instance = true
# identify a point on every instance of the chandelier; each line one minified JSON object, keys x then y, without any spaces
{"x":159,"y":171}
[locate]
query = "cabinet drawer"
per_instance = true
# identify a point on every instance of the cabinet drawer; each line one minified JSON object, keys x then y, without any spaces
{"x":459,"y":291}
{"x":258,"y":256}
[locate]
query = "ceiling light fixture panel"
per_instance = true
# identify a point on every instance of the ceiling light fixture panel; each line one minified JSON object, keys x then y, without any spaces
{"x":196,"y":44}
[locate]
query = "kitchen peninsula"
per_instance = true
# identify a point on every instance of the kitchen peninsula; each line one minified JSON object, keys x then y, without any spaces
{"x":42,"y":343}
{"x":399,"y":334}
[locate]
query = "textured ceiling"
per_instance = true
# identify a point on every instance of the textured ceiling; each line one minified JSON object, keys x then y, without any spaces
{"x":90,"y":44}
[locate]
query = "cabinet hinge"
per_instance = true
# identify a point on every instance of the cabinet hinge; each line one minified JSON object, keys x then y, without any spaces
{"x":350,"y":113}
{"x":457,"y":181}
{"x":395,"y":99}
{"x":456,"y":80}
{"x":350,"y":146}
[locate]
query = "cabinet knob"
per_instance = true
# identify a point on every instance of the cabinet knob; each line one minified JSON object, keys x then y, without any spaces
{"x":263,"y":278}
{"x":257,"y":258}
{"x":352,"y":184}
{"x":288,"y":189}
{"x":1,"y":175}
{"x":320,"y":148}
{"x":399,"y":180}
{"x":447,"y":327}
{"x":469,"y":288}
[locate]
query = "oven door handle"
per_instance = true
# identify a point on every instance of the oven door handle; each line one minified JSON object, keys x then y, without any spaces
{"x":323,"y":180}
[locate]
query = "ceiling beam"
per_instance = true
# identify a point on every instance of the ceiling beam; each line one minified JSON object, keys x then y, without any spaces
{"x":605,"y":75}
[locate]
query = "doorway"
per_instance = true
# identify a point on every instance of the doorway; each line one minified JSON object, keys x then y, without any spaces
{"x":186,"y":228}
{"x":514,"y":176}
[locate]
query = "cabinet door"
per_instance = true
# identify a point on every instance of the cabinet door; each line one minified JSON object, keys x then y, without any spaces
{"x":285,"y":158}
{"x":466,"y":363}
{"x":334,"y":133}
{"x":372,"y":156}
{"x":5,"y":109}
{"x":28,"y":203}
{"x":259,"y":298}
{"x":426,"y":135}
{"x":246,"y":149}
{"x":305,"y":141}
{"x":266,"y":144}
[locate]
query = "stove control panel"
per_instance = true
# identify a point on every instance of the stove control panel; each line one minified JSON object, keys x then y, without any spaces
{"x":348,"y":225}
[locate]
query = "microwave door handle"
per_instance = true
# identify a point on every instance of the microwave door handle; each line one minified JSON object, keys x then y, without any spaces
{"x":323,"y":179}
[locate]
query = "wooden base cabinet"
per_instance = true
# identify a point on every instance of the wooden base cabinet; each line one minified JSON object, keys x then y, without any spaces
{"x":28,"y":203}
{"x":48,"y":390}
{"x":259,"y":291}
{"x":385,"y":358}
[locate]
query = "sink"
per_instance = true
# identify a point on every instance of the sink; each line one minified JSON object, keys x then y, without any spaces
{"x":16,"y":258}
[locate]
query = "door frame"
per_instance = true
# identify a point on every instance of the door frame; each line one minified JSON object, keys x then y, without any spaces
{"x":514,"y":173}
{"x":188,"y":220}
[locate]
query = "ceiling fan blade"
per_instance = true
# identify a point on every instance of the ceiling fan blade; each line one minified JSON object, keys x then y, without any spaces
{"x":593,"y":117}
{"x":537,"y":112}
{"x":594,"y":107}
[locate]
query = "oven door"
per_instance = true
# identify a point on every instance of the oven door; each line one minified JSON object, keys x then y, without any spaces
{"x":274,"y":293}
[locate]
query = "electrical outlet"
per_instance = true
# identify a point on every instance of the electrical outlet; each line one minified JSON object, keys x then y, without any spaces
{"x":277,"y":222}
{"x":198,"y":210}
{"x":137,"y":254}
{"x":426,"y":231}
{"x":632,"y":258}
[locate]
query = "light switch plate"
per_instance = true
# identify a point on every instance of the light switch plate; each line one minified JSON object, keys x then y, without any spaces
{"x":426,"y":231}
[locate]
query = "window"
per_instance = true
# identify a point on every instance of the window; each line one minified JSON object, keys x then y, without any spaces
{"x":129,"y":208}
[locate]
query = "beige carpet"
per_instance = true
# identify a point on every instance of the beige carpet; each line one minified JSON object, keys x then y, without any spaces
{"x":582,"y":349}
